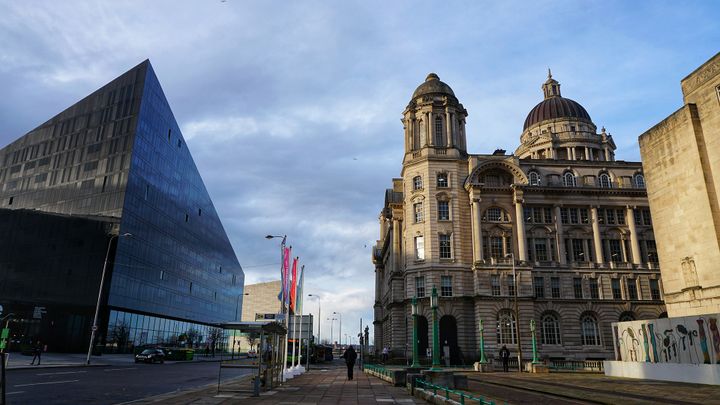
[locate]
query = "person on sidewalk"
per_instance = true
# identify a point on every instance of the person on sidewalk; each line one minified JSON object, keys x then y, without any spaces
{"x":385,"y":353}
{"x":350,"y":356}
{"x":37,"y":352}
{"x":505,"y":356}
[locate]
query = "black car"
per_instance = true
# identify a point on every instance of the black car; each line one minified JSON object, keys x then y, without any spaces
{"x":150,"y":356}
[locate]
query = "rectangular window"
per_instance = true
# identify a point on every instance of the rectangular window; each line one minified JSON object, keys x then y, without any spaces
{"x":616,"y":292}
{"x":620,"y":217}
{"x":90,"y":166}
{"x":420,"y":287}
{"x":443,"y":211}
{"x":632,"y":289}
{"x":494,"y":214}
{"x":527,"y":214}
{"x":574,"y":216}
{"x":495,"y":284}
{"x":594,"y":290}
{"x":418,"y":208}
{"x":511,"y":285}
{"x":584,"y":216}
{"x":578,"y":250}
{"x":40,"y":178}
{"x":564,"y":215}
{"x":417,"y":183}
{"x":652,"y":255}
{"x":610,"y":216}
{"x":647,"y":220}
{"x":445,"y":247}
{"x":638,"y":217}
{"x":555,"y":287}
{"x":538,"y":215}
{"x":615,"y":250}
{"x":419,"y":248}
{"x":446,"y":286}
{"x":539,"y":286}
{"x":496,"y":247}
{"x":654,"y":289}
{"x":541,"y":250}
{"x":548,"y":215}
{"x":577,"y":287}
{"x":442,"y":180}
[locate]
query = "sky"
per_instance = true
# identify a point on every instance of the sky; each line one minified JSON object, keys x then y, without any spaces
{"x":292,"y":109}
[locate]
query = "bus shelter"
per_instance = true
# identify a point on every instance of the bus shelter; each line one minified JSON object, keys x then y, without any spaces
{"x":268,"y":363}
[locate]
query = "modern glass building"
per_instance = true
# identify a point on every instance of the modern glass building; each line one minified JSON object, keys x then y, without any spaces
{"x":117,"y":163}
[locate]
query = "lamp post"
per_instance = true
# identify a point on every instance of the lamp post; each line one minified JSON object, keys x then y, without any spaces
{"x":97,"y":306}
{"x":340,"y":329}
{"x":535,"y":359}
{"x":482,"y":343}
{"x":332,"y":322}
{"x":319,"y":318}
{"x":517,"y":312}
{"x":414,"y":307}
{"x":282,"y":304}
{"x":436,"y":332}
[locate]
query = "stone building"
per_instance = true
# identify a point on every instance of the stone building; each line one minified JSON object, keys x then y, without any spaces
{"x":682,"y":154}
{"x":260,"y":299}
{"x":586,"y":254}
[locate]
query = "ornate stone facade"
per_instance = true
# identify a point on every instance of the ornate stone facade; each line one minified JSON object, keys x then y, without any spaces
{"x":682,"y":154}
{"x":586,"y":256}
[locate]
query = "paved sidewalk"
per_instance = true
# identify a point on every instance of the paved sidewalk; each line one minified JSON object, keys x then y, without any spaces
{"x":321,"y":385}
{"x":581,"y":388}
{"x":53,"y":360}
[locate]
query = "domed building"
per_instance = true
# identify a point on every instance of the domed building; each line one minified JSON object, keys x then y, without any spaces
{"x":560,"y":213}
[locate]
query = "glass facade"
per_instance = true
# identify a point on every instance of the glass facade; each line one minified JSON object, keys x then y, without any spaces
{"x":117,"y":157}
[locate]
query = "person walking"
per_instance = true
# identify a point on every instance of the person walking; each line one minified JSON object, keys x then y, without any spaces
{"x":37,"y":352}
{"x":350,"y":356}
{"x":505,"y":356}
{"x":385,"y":353}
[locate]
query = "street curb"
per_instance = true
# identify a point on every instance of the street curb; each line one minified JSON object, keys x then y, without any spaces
{"x":179,"y":393}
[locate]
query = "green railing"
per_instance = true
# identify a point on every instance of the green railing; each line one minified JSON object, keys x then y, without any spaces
{"x":378,"y":369}
{"x":462,"y":396}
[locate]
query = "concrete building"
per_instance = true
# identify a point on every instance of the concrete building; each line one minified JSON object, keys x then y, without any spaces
{"x":572,"y":221}
{"x":260,"y":299}
{"x":682,"y":157}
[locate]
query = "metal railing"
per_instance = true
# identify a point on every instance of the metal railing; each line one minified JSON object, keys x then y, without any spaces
{"x":577,"y":365}
{"x":447,"y":392}
{"x":378,"y":369}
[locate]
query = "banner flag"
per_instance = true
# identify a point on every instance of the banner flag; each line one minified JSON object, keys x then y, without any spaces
{"x":300,"y":292}
{"x":293,"y":284}
{"x":283,"y":296}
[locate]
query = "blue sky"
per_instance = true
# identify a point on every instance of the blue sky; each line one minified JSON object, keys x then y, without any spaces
{"x":292,"y":109}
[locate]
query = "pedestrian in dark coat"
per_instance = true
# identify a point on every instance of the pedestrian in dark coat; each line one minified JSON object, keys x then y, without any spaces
{"x":37,"y":352}
{"x":505,"y":356}
{"x":350,"y":356}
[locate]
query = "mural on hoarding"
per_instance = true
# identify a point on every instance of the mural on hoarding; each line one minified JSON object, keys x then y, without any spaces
{"x":690,"y":339}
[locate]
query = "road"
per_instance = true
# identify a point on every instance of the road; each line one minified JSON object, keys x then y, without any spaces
{"x":111,"y":384}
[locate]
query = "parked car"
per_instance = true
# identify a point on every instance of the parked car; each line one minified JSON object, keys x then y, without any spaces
{"x":150,"y":356}
{"x":252,"y":354}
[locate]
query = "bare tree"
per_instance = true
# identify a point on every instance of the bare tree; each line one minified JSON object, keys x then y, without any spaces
{"x":253,"y":339}
{"x":215,"y":336}
{"x":120,"y":335}
{"x":193,"y":336}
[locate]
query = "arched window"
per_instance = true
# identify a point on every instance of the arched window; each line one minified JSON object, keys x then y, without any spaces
{"x":550,"y":333}
{"x":417,"y":183}
{"x":604,"y":180}
{"x":439,"y":138}
{"x":639,"y":181}
{"x":626,"y":317}
{"x":496,"y":214}
{"x":589,"y":331}
{"x":569,"y":179}
{"x":506,"y":328}
{"x":534,"y":178}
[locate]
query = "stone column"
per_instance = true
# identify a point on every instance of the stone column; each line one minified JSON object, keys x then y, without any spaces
{"x":623,"y":249}
{"x":448,"y":129}
{"x":569,"y":153}
{"x":587,"y":153}
{"x":430,"y":126}
{"x":476,"y":230}
{"x":520,"y":227}
{"x":560,"y":237}
{"x":634,"y":242}
{"x":596,"y":235}
{"x":396,"y":243}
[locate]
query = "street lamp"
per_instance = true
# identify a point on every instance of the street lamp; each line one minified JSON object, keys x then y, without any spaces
{"x":517,"y":312}
{"x":97,"y":306}
{"x":319,"y":318}
{"x":415,"y":334}
{"x":340,"y":332}
{"x":332,"y":321}
{"x":436,"y":332}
